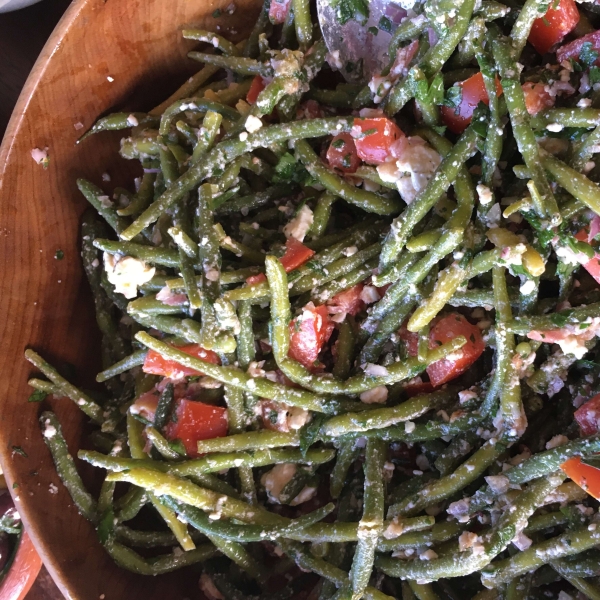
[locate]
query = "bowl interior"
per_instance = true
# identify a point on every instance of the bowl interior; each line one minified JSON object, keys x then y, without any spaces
{"x":103,"y":56}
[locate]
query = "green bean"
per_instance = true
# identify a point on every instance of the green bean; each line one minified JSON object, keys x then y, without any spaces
{"x":464,"y":563}
{"x":218,"y":41}
{"x":567,"y":544}
{"x":129,"y":505}
{"x":440,"y":532}
{"x":128,"y":559}
{"x":511,"y":405}
{"x":119,"y":121}
{"x":344,"y":282}
{"x":228,"y":243}
{"x":227,"y":151}
{"x":144,"y":539}
{"x":251,"y":45}
{"x":303,"y":23}
{"x":524,"y":136}
{"x":44,"y":386}
{"x":522,"y":325}
{"x":379,"y":418}
{"x":101,"y":202}
{"x":254,"y":201}
{"x":65,"y":466}
{"x":578,"y":185}
{"x":207,"y":500}
{"x":82,"y":400}
{"x":446,"y":285}
{"x":587,"y":588}
{"x":236,"y":64}
{"x":158,"y":256}
{"x":438,"y":490}
{"x":251,"y":440}
{"x":142,"y":198}
{"x":206,"y":135}
{"x":368,"y":201}
{"x":444,"y":176}
{"x":194,"y":104}
{"x":583,"y":152}
{"x":322,"y":213}
{"x":309,"y":562}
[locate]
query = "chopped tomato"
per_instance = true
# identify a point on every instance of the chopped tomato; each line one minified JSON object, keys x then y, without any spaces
{"x":341,"y":154}
{"x":445,"y":330}
{"x":155,"y":364}
{"x":537,"y":97}
{"x":585,"y":476}
{"x":194,"y":421}
{"x":592,"y":266}
{"x":278,"y":11}
{"x":348,"y":302}
{"x":472,"y":93}
{"x":375,"y":138}
{"x":296,"y":254}
{"x":308,"y":334}
{"x":550,"y":29}
{"x":256,"y":87}
{"x":588,"y":416}
{"x":573,"y":49}
{"x":146,"y":405}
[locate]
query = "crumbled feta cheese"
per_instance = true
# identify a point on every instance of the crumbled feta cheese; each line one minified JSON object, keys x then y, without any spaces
{"x":466,"y":396}
{"x":466,"y":540}
{"x":277,"y":478}
{"x":485,"y":194}
{"x":243,"y":136}
{"x":369,"y":294}
{"x":428,"y":555}
{"x":556,"y":441}
{"x":409,"y":426}
{"x":377,"y":395}
{"x":584,"y":103}
{"x":527,"y":287}
{"x":53,"y":489}
{"x":350,"y":251}
{"x":306,"y":493}
{"x":253,"y":124}
{"x":127,"y":273}
{"x":375,"y":370}
{"x":394,"y":529}
{"x":299,"y":226}
{"x":413,"y":169}
{"x":333,"y":58}
{"x":110,"y":79}
{"x":499,"y":484}
{"x":521,"y":541}
{"x":554,"y":127}
{"x":132,"y":121}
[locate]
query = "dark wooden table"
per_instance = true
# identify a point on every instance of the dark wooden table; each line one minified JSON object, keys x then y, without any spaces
{"x":22,"y":35}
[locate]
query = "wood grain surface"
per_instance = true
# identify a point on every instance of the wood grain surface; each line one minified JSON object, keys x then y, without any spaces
{"x":44,"y":302}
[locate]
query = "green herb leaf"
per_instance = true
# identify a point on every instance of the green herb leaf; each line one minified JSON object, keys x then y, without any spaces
{"x":309,"y":433}
{"x":59,"y":255}
{"x":385,"y":24}
{"x":587,"y":54}
{"x":37,"y":396}
{"x":18,"y":450}
{"x":453,"y":97}
{"x":594,"y":75}
{"x":352,"y":9}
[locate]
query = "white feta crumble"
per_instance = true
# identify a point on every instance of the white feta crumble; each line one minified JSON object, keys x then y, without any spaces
{"x":428,"y":555}
{"x":350,"y":251}
{"x":484,"y":194}
{"x":466,"y":540}
{"x":554,"y":127}
{"x":375,"y":370}
{"x":299,"y":226}
{"x":110,"y":79}
{"x":409,"y":426}
{"x":243,"y":136}
{"x":253,"y":124}
{"x":377,"y":395}
{"x":40,"y":156}
{"x":369,"y":294}
{"x":556,"y":441}
{"x":53,"y":489}
{"x":499,"y":484}
{"x":412,"y":170}
{"x":584,"y":103}
{"x":132,"y":121}
{"x":528,"y":287}
{"x":127,"y":273}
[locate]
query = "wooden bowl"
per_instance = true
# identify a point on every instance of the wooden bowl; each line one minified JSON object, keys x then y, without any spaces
{"x":103,"y":56}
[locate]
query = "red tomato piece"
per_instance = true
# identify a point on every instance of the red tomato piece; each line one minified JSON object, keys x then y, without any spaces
{"x":473,"y":92}
{"x":194,"y":421}
{"x":278,"y":11}
{"x":155,"y":364}
{"x":308,"y":334}
{"x":256,"y":87}
{"x":296,"y":254}
{"x":537,"y":97}
{"x":573,"y":49}
{"x":375,"y":138}
{"x":410,"y":339}
{"x":585,"y":476}
{"x":592,"y":266}
{"x":310,"y":109}
{"x":554,"y":25}
{"x":445,"y":330}
{"x":347,"y":302}
{"x":341,"y":154}
{"x":588,"y":416}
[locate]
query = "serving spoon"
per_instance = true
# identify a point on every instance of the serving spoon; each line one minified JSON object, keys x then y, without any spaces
{"x":359,"y":46}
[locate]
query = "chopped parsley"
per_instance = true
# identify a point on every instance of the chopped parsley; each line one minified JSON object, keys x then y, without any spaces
{"x":587,"y":54}
{"x":18,"y":450}
{"x":59,"y":255}
{"x":385,"y":24}
{"x":352,"y":9}
{"x":338,"y":144}
{"x":37,"y":396}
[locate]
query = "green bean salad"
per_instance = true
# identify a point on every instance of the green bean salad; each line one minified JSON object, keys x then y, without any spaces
{"x":349,"y":330}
